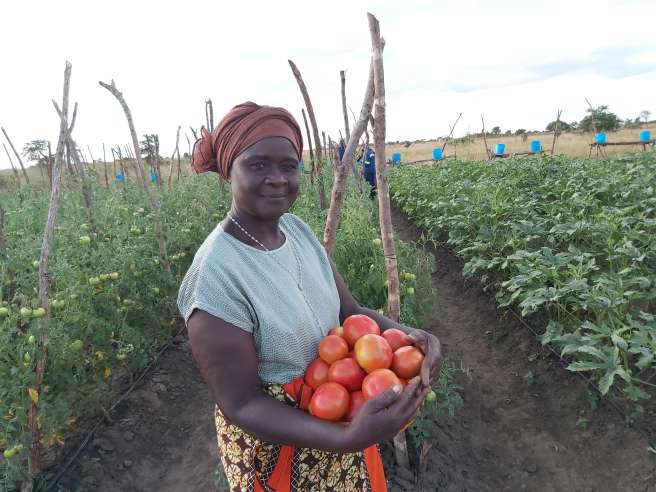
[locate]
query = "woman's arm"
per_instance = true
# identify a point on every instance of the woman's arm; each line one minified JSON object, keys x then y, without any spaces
{"x":226,"y":357}
{"x":427,"y":342}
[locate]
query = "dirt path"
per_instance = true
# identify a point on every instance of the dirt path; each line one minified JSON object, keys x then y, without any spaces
{"x":510,"y":435}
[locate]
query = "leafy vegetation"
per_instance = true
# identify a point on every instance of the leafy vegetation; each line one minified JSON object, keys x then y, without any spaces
{"x":571,"y":240}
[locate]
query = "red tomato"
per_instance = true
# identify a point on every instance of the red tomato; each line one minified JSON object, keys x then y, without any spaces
{"x":378,"y":382}
{"x":330,"y":401}
{"x":407,"y":362}
{"x":357,"y":325}
{"x":338,"y":330}
{"x":333,"y":348}
{"x":356,"y":400}
{"x":396,"y":338}
{"x":317,"y":373}
{"x":373,"y":352}
{"x":346,"y":372}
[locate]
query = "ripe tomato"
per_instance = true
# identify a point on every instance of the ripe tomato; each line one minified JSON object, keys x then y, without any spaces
{"x":333,"y":348}
{"x":357,"y":325}
{"x":378,"y":382}
{"x":346,"y":372}
{"x":356,"y":400}
{"x":373,"y":352}
{"x":396,"y":338}
{"x":338,"y":330}
{"x":407,"y":362}
{"x":316,"y":373}
{"x":330,"y":401}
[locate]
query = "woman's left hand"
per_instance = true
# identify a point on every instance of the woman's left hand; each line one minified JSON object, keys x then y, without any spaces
{"x":432,"y":349}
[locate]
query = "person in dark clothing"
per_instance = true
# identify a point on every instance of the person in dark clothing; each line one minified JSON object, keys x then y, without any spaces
{"x":370,"y":169}
{"x":341,"y":148}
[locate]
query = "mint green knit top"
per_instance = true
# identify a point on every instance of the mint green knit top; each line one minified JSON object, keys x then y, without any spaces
{"x":287,"y":315}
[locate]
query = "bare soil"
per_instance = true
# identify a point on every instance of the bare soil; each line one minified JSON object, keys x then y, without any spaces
{"x":517,"y":429}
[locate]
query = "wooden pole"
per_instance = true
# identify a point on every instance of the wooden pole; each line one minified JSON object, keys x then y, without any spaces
{"x":49,"y":166}
{"x":342,"y":76}
{"x":315,"y":131}
{"x":341,"y":167}
{"x":105,"y":166}
{"x":555,"y":135}
{"x":154,"y":202}
{"x":44,"y":290}
{"x":307,"y":129}
{"x":487,"y":150}
{"x":20,"y":161}
{"x":177,"y":142}
{"x":13,"y":168}
{"x":451,"y":132}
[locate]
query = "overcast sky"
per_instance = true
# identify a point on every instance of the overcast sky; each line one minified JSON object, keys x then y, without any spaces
{"x":516,"y":62}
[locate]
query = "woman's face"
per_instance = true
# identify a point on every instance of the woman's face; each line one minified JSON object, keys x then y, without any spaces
{"x":265,"y":178}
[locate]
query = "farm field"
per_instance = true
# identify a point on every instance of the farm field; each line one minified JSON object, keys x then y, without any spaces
{"x":569,"y":243}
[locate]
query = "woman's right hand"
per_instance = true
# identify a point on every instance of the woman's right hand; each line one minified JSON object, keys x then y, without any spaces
{"x":383,"y":417}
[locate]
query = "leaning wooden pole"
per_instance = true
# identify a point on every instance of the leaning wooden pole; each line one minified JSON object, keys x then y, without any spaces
{"x":152,"y":198}
{"x":384,"y":209}
{"x":451,"y":132}
{"x":307,"y":130}
{"x":315,"y":132}
{"x":555,"y":135}
{"x":13,"y":168}
{"x":342,"y":76}
{"x":340,"y":169}
{"x":20,"y":161}
{"x":44,"y":290}
{"x":487,"y":150}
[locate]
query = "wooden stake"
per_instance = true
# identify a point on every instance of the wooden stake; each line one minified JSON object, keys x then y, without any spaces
{"x":20,"y":161}
{"x":154,"y":202}
{"x":342,"y":76}
{"x":49,"y":166}
{"x":105,"y":166}
{"x":487,"y":150}
{"x":555,"y":135}
{"x":385,"y":214}
{"x":341,"y":167}
{"x":13,"y":168}
{"x":451,"y":132}
{"x":307,"y":129}
{"x":177,"y":142}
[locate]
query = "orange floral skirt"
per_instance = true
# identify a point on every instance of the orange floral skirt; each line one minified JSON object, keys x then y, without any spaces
{"x":254,"y":465}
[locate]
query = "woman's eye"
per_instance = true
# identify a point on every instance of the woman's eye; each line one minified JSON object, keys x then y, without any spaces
{"x":257,"y":165}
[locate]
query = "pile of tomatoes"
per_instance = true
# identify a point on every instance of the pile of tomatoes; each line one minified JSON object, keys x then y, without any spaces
{"x":357,"y":363}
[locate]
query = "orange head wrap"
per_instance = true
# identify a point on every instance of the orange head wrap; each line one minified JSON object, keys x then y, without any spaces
{"x":243,"y":126}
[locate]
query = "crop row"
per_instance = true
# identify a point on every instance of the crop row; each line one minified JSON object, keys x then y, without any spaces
{"x":571,"y":243}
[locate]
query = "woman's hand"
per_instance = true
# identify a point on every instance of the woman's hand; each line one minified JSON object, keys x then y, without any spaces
{"x":432,"y":349}
{"x":383,"y":417}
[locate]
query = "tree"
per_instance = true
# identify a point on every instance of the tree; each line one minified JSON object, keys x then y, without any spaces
{"x":149,"y":148}
{"x":645,"y":115}
{"x":562,"y":126}
{"x":604,"y":120}
{"x":520,"y":131}
{"x":36,"y":151}
{"x":496,"y":130}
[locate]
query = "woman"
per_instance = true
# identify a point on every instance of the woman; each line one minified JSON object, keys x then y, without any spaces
{"x":259,"y":296}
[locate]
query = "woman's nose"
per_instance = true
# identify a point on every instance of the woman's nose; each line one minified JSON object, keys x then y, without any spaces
{"x":275,"y":178}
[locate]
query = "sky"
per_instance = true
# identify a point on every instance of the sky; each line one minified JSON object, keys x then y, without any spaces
{"x":515,"y":62}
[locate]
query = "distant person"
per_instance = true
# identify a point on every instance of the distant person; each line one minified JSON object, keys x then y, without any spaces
{"x":253,"y":334}
{"x":370,"y":169}
{"x":341,"y":149}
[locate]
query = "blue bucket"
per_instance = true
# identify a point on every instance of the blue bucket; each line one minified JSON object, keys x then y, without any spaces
{"x":120,"y":178}
{"x":437,"y":153}
{"x":536,"y":146}
{"x":153,"y":177}
{"x":500,"y":149}
{"x":600,"y":138}
{"x":396,"y":157}
{"x":645,"y":136}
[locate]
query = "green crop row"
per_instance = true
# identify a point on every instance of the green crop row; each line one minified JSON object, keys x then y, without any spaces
{"x":572,"y":241}
{"x":113,"y":306}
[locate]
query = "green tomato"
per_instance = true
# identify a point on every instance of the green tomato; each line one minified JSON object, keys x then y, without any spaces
{"x":135,"y":230}
{"x":411,"y":291}
{"x":77,"y":345}
{"x":156,"y":290}
{"x":104,"y":276}
{"x":10,"y":453}
{"x":377,"y":241}
{"x":31,"y":340}
{"x":113,"y":275}
{"x":94,"y":281}
{"x":39,"y":312}
{"x":25,"y":312}
{"x":27,"y":358}
{"x":4,"y":312}
{"x":121,"y":356}
{"x":84,"y":227}
{"x":35,"y":264}
{"x":85,"y":240}
{"x":431,"y":396}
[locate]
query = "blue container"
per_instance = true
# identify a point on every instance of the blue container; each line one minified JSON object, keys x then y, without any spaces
{"x":500,"y":149}
{"x":600,"y":138}
{"x":437,"y":153}
{"x":645,"y":136}
{"x":536,"y":146}
{"x":396,"y":158}
{"x":120,"y":178}
{"x":153,"y":177}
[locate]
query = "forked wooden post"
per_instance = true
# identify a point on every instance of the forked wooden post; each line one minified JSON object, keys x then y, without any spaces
{"x":555,"y":135}
{"x":451,"y":132}
{"x":384,"y":210}
{"x":154,"y":202}
{"x":487,"y":150}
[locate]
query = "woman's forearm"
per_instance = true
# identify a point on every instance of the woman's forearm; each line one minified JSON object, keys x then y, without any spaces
{"x":274,"y":421}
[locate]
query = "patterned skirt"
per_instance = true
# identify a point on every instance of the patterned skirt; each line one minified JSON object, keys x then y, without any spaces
{"x":253,"y":465}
